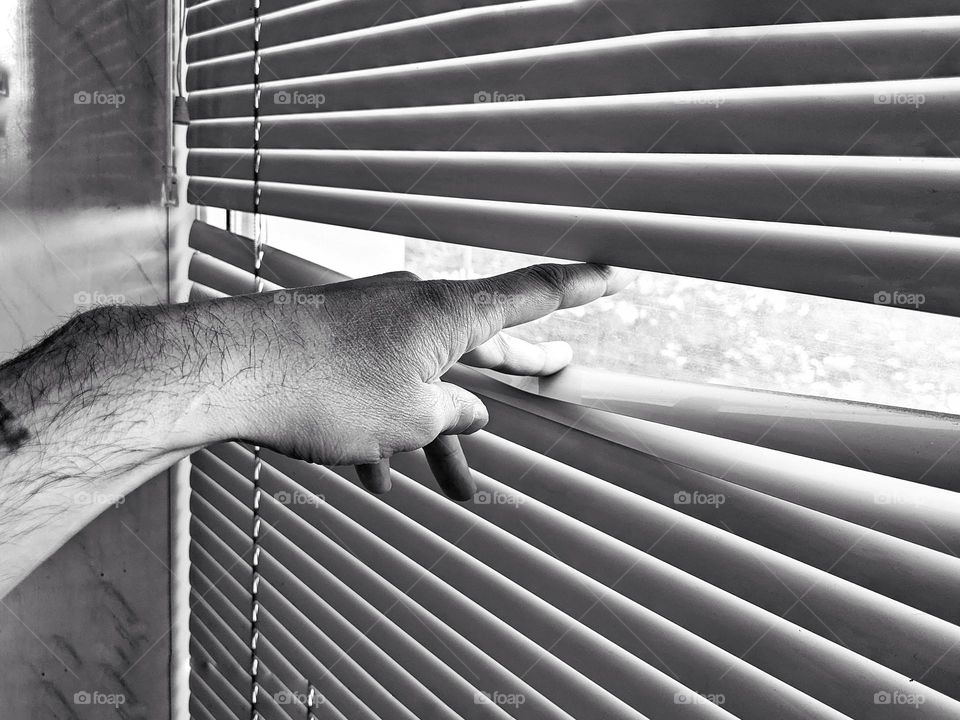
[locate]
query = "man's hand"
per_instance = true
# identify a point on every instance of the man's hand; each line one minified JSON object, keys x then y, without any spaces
{"x":344,"y":373}
{"x":350,"y":373}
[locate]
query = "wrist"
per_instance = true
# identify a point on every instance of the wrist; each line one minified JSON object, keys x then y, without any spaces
{"x":199,"y":363}
{"x":224,"y":370}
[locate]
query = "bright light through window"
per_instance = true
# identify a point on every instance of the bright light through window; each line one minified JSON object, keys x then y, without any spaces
{"x":696,"y":330}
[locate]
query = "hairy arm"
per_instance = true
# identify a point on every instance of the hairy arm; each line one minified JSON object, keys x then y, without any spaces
{"x":104,"y":403}
{"x":344,"y":373}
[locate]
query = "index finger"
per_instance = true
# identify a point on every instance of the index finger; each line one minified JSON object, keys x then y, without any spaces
{"x":530,"y":293}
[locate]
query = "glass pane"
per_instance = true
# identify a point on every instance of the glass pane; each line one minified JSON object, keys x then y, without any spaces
{"x":704,"y":331}
{"x":697,"y":330}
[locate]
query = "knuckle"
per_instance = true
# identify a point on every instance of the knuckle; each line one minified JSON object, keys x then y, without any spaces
{"x":406,"y":275}
{"x":428,"y":420}
{"x":441,"y":297}
{"x":552,"y":277}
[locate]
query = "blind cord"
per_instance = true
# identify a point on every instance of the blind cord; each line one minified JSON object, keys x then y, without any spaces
{"x":257,"y":460}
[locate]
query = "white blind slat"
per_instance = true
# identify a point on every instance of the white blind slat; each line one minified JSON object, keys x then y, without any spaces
{"x":913,"y":195}
{"x":808,"y":259}
{"x":531,"y":24}
{"x":858,"y":50}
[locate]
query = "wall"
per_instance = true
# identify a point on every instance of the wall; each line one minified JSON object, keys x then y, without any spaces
{"x":83,"y":145}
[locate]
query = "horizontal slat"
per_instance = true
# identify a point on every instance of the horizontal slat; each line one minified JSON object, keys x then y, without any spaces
{"x":213,"y":622}
{"x":391,"y":664}
{"x":211,"y":14}
{"x":221,"y":497}
{"x":239,"y":596}
{"x":210,"y":701}
{"x":451,"y":565}
{"x":204,"y":591}
{"x":309,"y":21}
{"x":205,"y":520}
{"x":236,"y":672}
{"x":622,"y":673}
{"x":914,"y":195}
{"x":199,"y":293}
{"x":296,"y":544}
{"x":451,"y":653}
{"x":339,"y":698}
{"x":223,"y":277}
{"x":916,"y":446}
{"x":276,"y":266}
{"x":203,"y":563}
{"x":334,"y":692}
{"x":700,"y":664}
{"x":590,"y":525}
{"x":918,"y":513}
{"x":237,"y":566}
{"x":267,"y":706}
{"x":860,"y":50}
{"x":292,"y":691}
{"x":206,"y":649}
{"x":197,"y":711}
{"x":832,"y":119}
{"x":532,"y":24}
{"x":231,"y":683}
{"x":237,"y":704}
{"x":364,"y":681}
{"x":832,"y":262}
{"x":841,"y":679}
{"x":385,"y":524}
{"x":569,"y":689}
{"x":915,"y":575}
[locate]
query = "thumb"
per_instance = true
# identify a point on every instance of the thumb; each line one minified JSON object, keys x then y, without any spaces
{"x":461,"y":412}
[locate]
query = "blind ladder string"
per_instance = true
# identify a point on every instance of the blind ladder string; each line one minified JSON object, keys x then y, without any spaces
{"x":257,"y":460}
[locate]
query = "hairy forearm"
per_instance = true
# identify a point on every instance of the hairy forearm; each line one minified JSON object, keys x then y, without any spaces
{"x":104,"y":403}
{"x":347,"y":373}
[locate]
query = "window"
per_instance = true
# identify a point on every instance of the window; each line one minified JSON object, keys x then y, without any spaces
{"x":694,"y":330}
{"x":717,"y":514}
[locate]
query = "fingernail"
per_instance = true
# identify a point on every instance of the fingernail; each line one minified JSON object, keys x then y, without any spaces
{"x":375,"y":477}
{"x":620,"y":279}
{"x":559,"y":355}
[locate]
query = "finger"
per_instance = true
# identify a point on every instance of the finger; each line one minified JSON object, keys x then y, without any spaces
{"x":449,"y":466}
{"x":375,"y":477}
{"x":518,"y":357}
{"x":523,"y":295}
{"x":461,"y":412}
